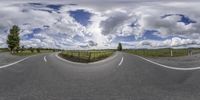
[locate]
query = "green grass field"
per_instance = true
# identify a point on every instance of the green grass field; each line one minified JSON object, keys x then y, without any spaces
{"x":85,"y":56}
{"x":3,"y":49}
{"x":28,"y":52}
{"x":161,"y":52}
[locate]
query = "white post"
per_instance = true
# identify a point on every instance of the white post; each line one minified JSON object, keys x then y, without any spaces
{"x":171,"y":53}
{"x":171,"y":46}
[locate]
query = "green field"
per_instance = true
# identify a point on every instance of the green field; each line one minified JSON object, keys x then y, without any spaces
{"x":162,"y":52}
{"x":86,"y":56}
{"x":28,"y":52}
{"x":3,"y":49}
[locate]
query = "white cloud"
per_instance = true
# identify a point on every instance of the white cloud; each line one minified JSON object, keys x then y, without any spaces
{"x":168,"y":43}
{"x":107,"y":22}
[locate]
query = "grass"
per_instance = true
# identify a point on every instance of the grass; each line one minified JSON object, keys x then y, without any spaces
{"x":3,"y":49}
{"x":160,"y":52}
{"x":28,"y":52}
{"x":85,"y":56}
{"x":196,"y":50}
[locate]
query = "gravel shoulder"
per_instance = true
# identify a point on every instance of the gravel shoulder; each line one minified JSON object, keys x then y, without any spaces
{"x":6,"y":58}
{"x":182,"y":62}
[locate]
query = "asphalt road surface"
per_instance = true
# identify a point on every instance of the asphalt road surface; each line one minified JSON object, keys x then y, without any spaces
{"x":120,"y":77}
{"x":6,"y":57}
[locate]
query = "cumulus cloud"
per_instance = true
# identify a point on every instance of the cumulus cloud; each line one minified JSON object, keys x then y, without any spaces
{"x":56,"y":28}
{"x":114,"y":21}
{"x":49,"y":24}
{"x":92,"y":43}
{"x":169,"y":25}
{"x":175,"y":42}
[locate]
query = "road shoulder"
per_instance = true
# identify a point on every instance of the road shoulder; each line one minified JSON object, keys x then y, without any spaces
{"x":169,"y":65}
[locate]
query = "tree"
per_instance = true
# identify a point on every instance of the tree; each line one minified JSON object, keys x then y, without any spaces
{"x":13,"y":38}
{"x":119,"y":48}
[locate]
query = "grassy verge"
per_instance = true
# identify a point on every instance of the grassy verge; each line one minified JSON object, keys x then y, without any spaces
{"x":159,"y":52}
{"x":85,"y":56}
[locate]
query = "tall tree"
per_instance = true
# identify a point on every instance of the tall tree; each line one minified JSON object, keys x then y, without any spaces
{"x":13,"y":38}
{"x":119,"y":48}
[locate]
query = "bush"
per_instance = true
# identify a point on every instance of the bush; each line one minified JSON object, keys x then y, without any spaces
{"x":31,"y":49}
{"x":38,"y":50}
{"x":22,"y":49}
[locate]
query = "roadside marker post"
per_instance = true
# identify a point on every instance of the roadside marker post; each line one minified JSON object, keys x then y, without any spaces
{"x":171,"y":52}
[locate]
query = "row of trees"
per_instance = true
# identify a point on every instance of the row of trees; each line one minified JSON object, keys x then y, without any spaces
{"x":13,"y":41}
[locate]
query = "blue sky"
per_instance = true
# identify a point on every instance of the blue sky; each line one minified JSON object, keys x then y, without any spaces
{"x":183,"y":19}
{"x":81,"y":16}
{"x":93,"y":25}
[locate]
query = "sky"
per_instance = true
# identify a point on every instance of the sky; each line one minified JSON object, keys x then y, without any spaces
{"x":102,"y":24}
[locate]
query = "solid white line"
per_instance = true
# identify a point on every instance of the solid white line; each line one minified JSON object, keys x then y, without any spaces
{"x":45,"y":59}
{"x":101,"y":61}
{"x":169,"y":67}
{"x":121,"y":61}
{"x":60,"y":58}
{"x":13,"y":63}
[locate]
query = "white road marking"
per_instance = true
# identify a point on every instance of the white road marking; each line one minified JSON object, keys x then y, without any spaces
{"x":13,"y":63}
{"x":169,"y":67}
{"x":121,"y":61}
{"x":45,"y":59}
{"x":77,"y":63}
{"x":62,"y":59}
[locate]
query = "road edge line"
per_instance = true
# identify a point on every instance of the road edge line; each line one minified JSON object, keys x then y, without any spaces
{"x":91,"y":63}
{"x":60,"y":58}
{"x":169,"y":67}
{"x":4,"y":66}
{"x":104,"y":60}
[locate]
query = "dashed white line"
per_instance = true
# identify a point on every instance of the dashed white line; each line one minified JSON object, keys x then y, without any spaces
{"x":13,"y":63}
{"x":45,"y":59}
{"x":169,"y":67}
{"x":121,"y":61}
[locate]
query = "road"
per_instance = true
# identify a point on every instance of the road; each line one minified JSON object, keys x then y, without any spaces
{"x":120,"y":77}
{"x":6,"y":57}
